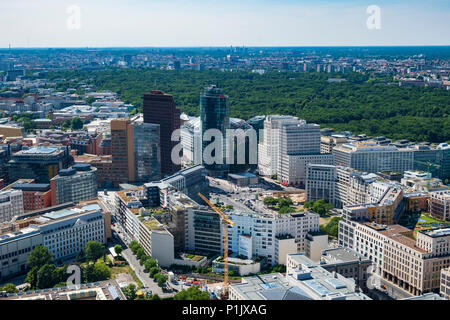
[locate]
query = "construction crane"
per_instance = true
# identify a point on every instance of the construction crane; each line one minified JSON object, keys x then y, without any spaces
{"x":225,"y":222}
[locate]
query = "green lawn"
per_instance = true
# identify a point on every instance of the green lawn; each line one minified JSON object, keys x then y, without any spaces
{"x":421,"y":221}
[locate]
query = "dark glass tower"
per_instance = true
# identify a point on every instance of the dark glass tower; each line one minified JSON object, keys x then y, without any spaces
{"x":214,"y":114}
{"x":160,"y":108}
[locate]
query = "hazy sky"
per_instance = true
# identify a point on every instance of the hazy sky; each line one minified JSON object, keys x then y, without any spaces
{"x":103,"y":23}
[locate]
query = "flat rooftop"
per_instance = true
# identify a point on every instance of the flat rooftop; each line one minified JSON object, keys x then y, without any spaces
{"x":435,"y":233}
{"x":104,"y":290}
{"x":40,"y":150}
{"x":337,"y":255}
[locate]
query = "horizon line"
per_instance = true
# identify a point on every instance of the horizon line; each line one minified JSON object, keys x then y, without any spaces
{"x":229,"y":46}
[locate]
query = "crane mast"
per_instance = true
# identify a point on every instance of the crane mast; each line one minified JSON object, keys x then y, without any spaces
{"x":225,"y":222}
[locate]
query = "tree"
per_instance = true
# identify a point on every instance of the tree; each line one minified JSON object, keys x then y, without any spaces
{"x":118,"y":249}
{"x":31,"y":277}
{"x":332,"y":228}
{"x":47,"y":276}
{"x":160,"y":279}
{"x":143,"y":259}
{"x":308,"y":204}
{"x":140,"y":253}
{"x":134,"y":246}
{"x":153,"y":271}
{"x":39,"y":257}
{"x":130,"y":292}
{"x":94,"y":250}
{"x":154,"y":297}
{"x":321,"y":207}
{"x":66,"y":125}
{"x":90,"y":100}
{"x":150,"y":263}
{"x":269,"y":201}
{"x":285,"y":202}
{"x":76,"y":123}
{"x":286,"y":209}
{"x":96,"y":272}
{"x":9,"y":288}
{"x":193,"y":293}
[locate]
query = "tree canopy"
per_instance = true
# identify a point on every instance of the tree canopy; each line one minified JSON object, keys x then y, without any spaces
{"x":374,"y":105}
{"x":39,"y":257}
{"x":193,"y":293}
{"x":94,"y":250}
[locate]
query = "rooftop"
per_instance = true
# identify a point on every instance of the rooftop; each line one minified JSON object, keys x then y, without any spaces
{"x":105,"y":290}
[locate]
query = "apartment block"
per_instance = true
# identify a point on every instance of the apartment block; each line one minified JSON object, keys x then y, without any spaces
{"x":165,"y":221}
{"x":271,"y":236}
{"x":440,"y":205}
{"x":292,"y":169}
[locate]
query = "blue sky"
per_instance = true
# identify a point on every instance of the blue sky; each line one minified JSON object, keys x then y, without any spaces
{"x":43,"y":23}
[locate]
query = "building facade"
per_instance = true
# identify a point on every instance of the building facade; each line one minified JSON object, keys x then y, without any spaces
{"x":135,"y":148}
{"x":160,"y":108}
{"x":78,"y":183}
{"x":214,"y":114}
{"x":11,"y":205}
{"x":39,"y":163}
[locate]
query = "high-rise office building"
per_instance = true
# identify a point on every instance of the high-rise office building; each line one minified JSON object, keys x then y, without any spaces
{"x":214,"y":114}
{"x":135,"y":150}
{"x":289,"y":145}
{"x":269,"y":149}
{"x":160,"y":108}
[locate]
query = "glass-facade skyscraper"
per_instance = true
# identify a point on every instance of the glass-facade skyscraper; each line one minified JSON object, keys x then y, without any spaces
{"x":214,"y":114}
{"x":160,"y":108}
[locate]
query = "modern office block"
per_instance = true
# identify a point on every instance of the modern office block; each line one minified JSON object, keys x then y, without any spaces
{"x":136,"y":155}
{"x":214,"y":114}
{"x":39,"y":163}
{"x":78,"y":183}
{"x":160,"y":108}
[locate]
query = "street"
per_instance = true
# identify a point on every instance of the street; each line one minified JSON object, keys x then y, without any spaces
{"x":144,"y":277}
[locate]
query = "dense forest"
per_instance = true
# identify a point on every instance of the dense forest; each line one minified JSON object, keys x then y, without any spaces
{"x":374,"y":105}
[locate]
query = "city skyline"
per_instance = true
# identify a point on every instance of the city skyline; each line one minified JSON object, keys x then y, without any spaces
{"x":197,"y":23}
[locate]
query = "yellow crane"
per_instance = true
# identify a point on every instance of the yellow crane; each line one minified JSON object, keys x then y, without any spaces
{"x":225,"y":221}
